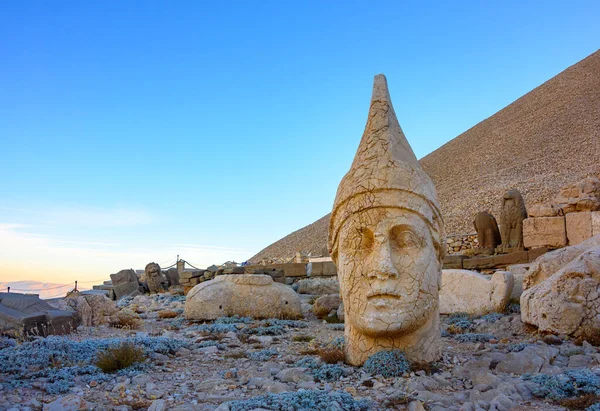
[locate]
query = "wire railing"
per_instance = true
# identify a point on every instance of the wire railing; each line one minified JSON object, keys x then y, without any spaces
{"x":75,"y":283}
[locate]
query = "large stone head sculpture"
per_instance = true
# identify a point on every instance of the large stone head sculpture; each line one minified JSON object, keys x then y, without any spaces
{"x":386,"y":236}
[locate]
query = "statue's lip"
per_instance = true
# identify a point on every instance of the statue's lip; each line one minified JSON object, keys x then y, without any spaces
{"x":383,"y":295}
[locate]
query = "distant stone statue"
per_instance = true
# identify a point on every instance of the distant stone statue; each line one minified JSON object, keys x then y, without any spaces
{"x":386,"y":237}
{"x":487,"y":230}
{"x":154,"y":278}
{"x":511,"y":219}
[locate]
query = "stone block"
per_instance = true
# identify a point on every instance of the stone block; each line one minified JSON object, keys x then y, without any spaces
{"x":503,"y":260}
{"x":477,"y":263}
{"x":544,"y":232}
{"x":186,"y":275}
{"x":579,"y":227}
{"x":27,"y":315}
{"x":453,"y":261}
{"x":534,"y":253}
{"x":470,"y":292}
{"x":125,"y":282}
{"x":542,"y":210}
{"x":322,"y":268}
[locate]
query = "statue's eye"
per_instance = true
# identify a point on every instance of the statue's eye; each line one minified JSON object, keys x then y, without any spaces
{"x":360,"y":239}
{"x":404,"y":237}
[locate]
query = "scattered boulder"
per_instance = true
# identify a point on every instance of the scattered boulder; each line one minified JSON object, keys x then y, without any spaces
{"x":548,"y":264}
{"x":245,"y":295}
{"x":568,"y":301}
{"x":27,"y":315}
{"x":125,"y":282}
{"x":90,"y":310}
{"x":325,"y":304}
{"x":319,"y":286}
{"x":470,"y":292}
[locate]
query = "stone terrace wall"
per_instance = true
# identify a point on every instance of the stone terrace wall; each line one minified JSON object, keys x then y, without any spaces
{"x":457,"y":244}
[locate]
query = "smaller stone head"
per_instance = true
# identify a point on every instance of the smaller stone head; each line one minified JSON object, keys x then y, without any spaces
{"x":513,"y":199}
{"x":152,"y":270}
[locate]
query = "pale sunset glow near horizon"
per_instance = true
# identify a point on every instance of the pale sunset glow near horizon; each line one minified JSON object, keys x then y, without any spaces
{"x":136,"y":132}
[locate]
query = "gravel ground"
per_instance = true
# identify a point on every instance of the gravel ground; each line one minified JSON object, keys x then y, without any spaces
{"x":482,"y":367}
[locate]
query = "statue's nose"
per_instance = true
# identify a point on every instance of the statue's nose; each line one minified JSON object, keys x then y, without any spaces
{"x":382,"y":267}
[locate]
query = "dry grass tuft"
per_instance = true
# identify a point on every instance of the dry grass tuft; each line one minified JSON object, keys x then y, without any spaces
{"x":580,"y":403}
{"x":320,"y":311}
{"x":123,"y":356}
{"x":331,"y":355}
{"x":128,"y":320}
{"x":167,"y":314}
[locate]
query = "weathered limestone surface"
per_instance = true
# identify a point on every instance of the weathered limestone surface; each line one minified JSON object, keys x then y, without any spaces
{"x":595,"y":223}
{"x":26,"y":315}
{"x":246,"y":295}
{"x":548,"y":264}
{"x":319,"y":286}
{"x":544,"y":232}
{"x":579,"y":227}
{"x":581,"y":196}
{"x":568,"y":302}
{"x":90,"y":310}
{"x":542,"y":210}
{"x":511,"y":219}
{"x":487,"y":230}
{"x":518,"y":271}
{"x":465,"y":291}
{"x":386,"y":237}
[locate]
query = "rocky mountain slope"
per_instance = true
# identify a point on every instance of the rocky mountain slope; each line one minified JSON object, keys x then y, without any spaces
{"x":546,"y":139}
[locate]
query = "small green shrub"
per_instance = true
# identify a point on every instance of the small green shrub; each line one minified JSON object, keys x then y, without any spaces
{"x":387,"y":364}
{"x":122,"y":356}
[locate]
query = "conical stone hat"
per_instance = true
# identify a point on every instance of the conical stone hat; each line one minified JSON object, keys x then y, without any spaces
{"x":385,"y":173}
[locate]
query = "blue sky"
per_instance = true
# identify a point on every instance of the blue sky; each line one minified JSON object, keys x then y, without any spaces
{"x":133,"y":131}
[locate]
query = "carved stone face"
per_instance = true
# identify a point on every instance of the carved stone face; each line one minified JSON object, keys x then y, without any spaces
{"x":389,"y":271}
{"x":153,"y":271}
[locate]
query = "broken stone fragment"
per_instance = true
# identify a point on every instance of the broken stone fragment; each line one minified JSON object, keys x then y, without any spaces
{"x":568,"y":301}
{"x":465,"y":291}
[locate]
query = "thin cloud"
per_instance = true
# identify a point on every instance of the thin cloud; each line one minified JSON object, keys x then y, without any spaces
{"x":97,"y":218}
